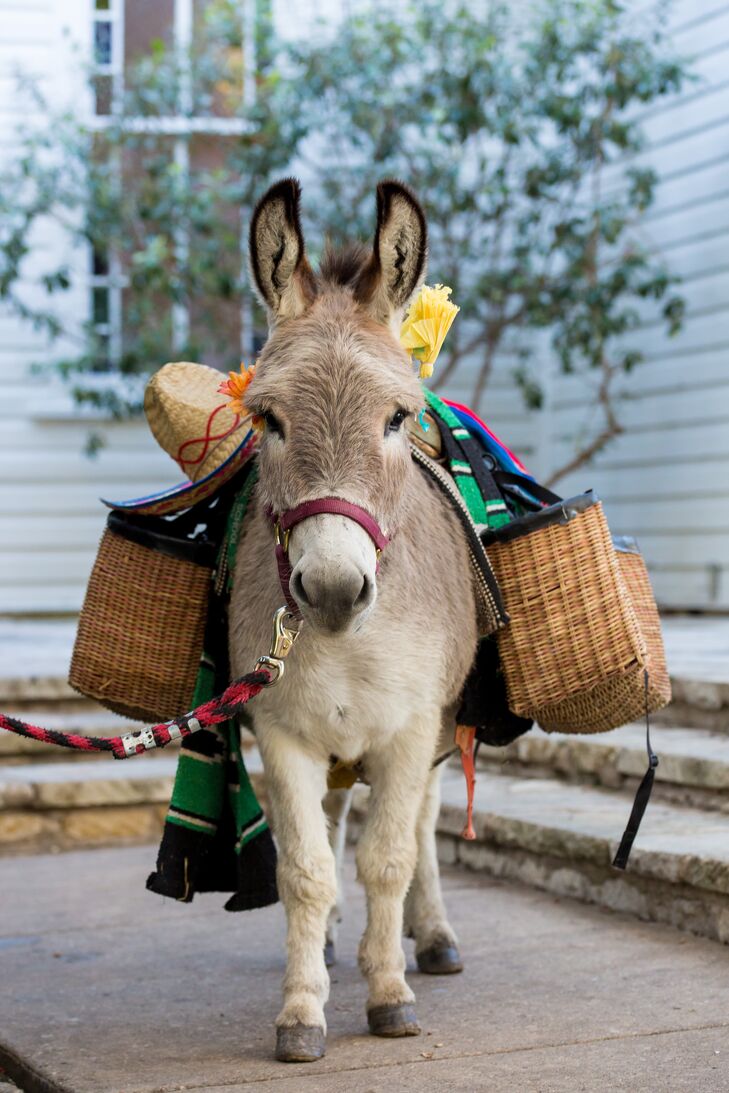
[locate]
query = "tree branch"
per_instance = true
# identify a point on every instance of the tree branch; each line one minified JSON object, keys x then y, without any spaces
{"x":458,"y":352}
{"x":612,"y":428}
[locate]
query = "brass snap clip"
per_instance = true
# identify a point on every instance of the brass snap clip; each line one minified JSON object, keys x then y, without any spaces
{"x":282,"y":641}
{"x":281,"y":538}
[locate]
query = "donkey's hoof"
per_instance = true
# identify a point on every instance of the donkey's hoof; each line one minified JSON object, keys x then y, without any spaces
{"x":330,"y":954}
{"x":439,"y":960}
{"x":395,"y":1020}
{"x":300,"y":1044}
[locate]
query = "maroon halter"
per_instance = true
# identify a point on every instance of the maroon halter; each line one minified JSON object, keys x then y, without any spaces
{"x":335,"y":506}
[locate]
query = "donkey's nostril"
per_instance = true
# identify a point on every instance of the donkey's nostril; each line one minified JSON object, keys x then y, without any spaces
{"x":297,"y":587}
{"x":365,"y":594}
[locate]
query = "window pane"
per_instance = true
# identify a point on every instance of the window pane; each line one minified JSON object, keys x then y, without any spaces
{"x":218,"y":56}
{"x":100,"y":263}
{"x":102,"y":361}
{"x":103,"y":5}
{"x":102,"y":95}
{"x":145,"y":24}
{"x":102,"y":43}
{"x":100,"y":299}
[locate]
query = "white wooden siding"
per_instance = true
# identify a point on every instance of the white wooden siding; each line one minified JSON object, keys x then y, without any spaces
{"x":666,"y":479}
{"x":50,"y":514}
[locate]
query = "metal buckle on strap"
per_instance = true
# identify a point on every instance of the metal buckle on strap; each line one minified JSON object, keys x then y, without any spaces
{"x":282,"y":641}
{"x":281,"y":537}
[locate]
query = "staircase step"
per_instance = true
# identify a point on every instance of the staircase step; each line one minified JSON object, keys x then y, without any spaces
{"x":35,"y":660}
{"x":697,"y":651}
{"x":693,"y":764}
{"x":68,"y":805}
{"x":562,"y":838}
{"x":60,"y":806}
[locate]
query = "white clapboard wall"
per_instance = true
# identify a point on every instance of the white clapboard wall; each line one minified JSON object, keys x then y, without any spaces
{"x":666,"y":480}
{"x":50,"y":514}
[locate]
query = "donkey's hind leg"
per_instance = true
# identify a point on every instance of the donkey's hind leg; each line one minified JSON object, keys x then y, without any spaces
{"x":436,"y":945}
{"x":336,"y":806}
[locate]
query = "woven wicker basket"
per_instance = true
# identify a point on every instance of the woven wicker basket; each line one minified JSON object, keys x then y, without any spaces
{"x":634,"y":572}
{"x":142,"y":625}
{"x":584,"y":627}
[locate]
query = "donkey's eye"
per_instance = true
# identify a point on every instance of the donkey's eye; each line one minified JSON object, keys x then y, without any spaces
{"x":273,"y":425}
{"x":396,"y":421}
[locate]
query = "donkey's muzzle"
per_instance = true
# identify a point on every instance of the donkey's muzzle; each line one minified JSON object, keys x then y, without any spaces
{"x":333,"y":600}
{"x":334,"y":597}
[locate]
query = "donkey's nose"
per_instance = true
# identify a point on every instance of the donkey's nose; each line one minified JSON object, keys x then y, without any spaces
{"x":333,"y":600}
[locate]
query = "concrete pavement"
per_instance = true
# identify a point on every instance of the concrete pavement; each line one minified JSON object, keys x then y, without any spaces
{"x":105,"y":988}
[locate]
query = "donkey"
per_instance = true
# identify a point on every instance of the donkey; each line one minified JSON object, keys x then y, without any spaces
{"x":386,"y":642}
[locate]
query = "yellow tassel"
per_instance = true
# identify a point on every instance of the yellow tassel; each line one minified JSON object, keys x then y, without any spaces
{"x":428,"y":320}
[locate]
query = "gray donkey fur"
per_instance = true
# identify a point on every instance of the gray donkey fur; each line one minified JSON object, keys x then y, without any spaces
{"x":377,"y":672}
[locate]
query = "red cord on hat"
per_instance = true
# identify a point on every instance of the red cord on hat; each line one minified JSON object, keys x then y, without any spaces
{"x":206,"y":440}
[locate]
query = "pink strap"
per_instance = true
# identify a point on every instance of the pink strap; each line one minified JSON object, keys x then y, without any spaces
{"x":284,"y":575}
{"x":336,"y":506}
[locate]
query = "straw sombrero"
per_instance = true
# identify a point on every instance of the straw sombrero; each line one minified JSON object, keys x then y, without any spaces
{"x":192,"y":421}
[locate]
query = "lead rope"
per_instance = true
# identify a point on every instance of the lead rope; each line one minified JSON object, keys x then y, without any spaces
{"x":269,"y":669}
{"x":225,"y":706}
{"x":642,"y":795}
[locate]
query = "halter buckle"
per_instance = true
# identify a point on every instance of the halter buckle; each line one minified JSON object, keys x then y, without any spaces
{"x":281,"y":537}
{"x":282,"y":641}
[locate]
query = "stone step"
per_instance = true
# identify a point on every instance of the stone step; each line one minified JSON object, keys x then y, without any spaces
{"x":61,"y":806}
{"x":100,"y":802}
{"x":697,"y":652}
{"x":36,"y":654}
{"x":562,"y":838}
{"x":701,"y":703}
{"x":693,"y":764}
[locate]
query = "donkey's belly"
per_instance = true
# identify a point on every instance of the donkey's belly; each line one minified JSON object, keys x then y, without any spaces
{"x":348,"y":695}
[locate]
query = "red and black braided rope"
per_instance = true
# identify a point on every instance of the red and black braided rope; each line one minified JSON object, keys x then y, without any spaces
{"x":225,"y":706}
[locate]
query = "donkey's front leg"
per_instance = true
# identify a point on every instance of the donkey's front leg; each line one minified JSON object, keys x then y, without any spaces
{"x":307,"y":886}
{"x":385,"y":861}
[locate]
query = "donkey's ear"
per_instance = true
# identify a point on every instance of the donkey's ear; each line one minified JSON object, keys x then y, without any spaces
{"x":283,"y":276}
{"x":399,"y":253}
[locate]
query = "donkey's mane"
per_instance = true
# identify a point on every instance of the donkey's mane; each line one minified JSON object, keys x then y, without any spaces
{"x":343,"y":265}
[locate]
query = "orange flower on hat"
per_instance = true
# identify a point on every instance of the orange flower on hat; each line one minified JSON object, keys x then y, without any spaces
{"x":236,"y":386}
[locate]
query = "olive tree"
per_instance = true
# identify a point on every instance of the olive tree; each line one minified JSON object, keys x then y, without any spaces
{"x":516,"y":125}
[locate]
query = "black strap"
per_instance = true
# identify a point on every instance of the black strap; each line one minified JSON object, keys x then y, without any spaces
{"x":468,"y":450}
{"x":642,"y":796}
{"x":481,"y":471}
{"x":517,"y":485}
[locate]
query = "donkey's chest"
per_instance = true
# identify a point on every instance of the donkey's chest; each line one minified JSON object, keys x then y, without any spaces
{"x":347,"y":697}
